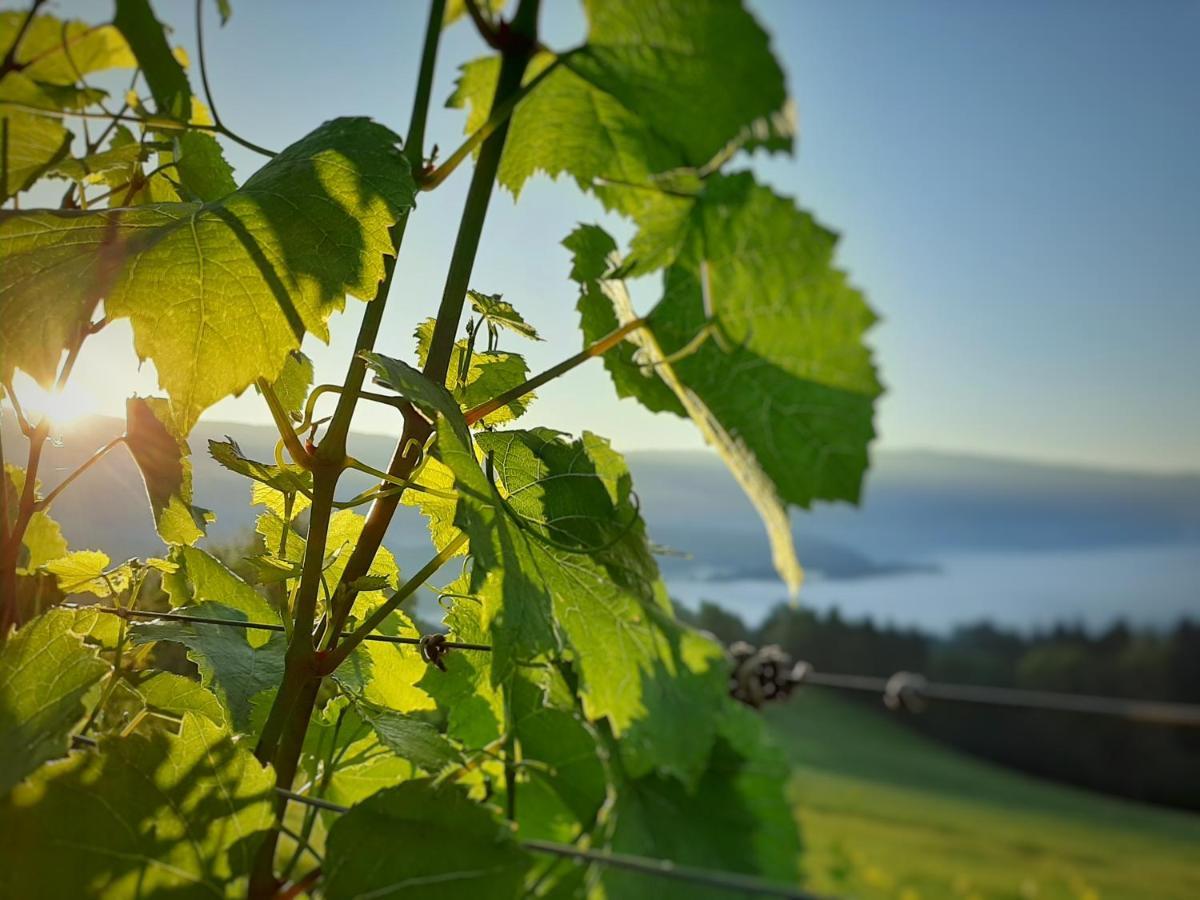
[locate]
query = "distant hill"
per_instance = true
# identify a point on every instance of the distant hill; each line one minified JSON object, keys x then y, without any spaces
{"x":917,"y":506}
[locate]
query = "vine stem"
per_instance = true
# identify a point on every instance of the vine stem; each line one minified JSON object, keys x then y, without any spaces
{"x":417,"y":429}
{"x":282,"y":738}
{"x":599,"y":348}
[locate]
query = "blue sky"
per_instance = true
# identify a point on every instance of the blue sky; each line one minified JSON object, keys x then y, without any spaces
{"x":1016,"y":184}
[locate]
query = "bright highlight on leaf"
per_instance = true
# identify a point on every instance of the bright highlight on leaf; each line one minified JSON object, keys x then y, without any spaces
{"x":247,"y":276}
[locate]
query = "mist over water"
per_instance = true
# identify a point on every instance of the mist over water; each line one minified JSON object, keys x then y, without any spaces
{"x":1151,"y":586}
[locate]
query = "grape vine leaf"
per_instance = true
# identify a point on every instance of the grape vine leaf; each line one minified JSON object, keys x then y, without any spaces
{"x":86,"y":572}
{"x":176,"y":695}
{"x":759,"y":336}
{"x":229,"y":665}
{"x":148,"y":815}
{"x":43,"y":540}
{"x":736,"y":819}
{"x":454,"y":848}
{"x":490,"y":373}
{"x":566,"y":783}
{"x":45,"y":671}
{"x":464,"y":692}
{"x":561,"y":560}
{"x":31,"y":144}
{"x":495,"y":309}
{"x":163,"y":458}
{"x":412,"y":739}
{"x":57,"y":52}
{"x":290,"y":479}
{"x":656,"y":86}
{"x":200,"y":577}
{"x":47,"y":65}
{"x":594,"y":257}
{"x":247,"y":275}
{"x":165,"y":76}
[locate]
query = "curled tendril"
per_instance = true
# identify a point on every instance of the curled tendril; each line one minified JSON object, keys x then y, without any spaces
{"x":523,"y":523}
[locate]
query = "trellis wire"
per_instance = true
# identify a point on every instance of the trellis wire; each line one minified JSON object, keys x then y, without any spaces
{"x":899,"y":689}
{"x":661,"y":868}
{"x":253,"y":626}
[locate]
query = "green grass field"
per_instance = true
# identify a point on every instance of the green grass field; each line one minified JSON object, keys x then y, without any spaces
{"x":887,"y":813}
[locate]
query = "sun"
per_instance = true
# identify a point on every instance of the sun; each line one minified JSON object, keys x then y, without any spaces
{"x":61,"y":407}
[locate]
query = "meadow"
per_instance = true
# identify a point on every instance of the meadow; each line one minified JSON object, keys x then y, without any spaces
{"x":888,"y":813}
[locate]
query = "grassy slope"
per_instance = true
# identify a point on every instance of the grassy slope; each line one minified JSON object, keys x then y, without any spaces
{"x":887,"y":813}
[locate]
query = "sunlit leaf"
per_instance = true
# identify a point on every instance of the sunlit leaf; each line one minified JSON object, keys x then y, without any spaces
{"x":200,"y":577}
{"x":490,"y":373}
{"x":229,"y":665}
{"x":45,"y":671}
{"x":175,"y":695}
{"x":164,"y":460}
{"x":246,"y":276}
{"x":784,"y":327}
{"x":145,"y":816}
{"x":495,"y":309}
{"x":85,"y":572}
{"x":657,"y":86}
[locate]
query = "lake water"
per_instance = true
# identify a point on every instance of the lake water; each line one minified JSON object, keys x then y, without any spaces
{"x":1152,"y":585}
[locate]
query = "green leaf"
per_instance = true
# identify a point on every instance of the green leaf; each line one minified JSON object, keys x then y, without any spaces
{"x":464,"y":692}
{"x":201,"y":578}
{"x":43,"y":540}
{"x":30,"y":145}
{"x":225,"y":9}
{"x":164,"y":460}
{"x":201,"y":168}
{"x":565,"y":783}
{"x":58,"y":52}
{"x":290,"y":479}
{"x":145,"y":816}
{"x":162,"y":71}
{"x":229,"y":666}
{"x":412,"y":739}
{"x":594,"y":256}
{"x":495,"y":309}
{"x":293,"y":384}
{"x":85,"y":572}
{"x":166,"y":692}
{"x":45,"y":671}
{"x":736,"y":819}
{"x":454,"y":849}
{"x":116,"y":159}
{"x":788,"y":407}
{"x":561,"y":561}
{"x":657,"y":86}
{"x":247,"y":275}
{"x":491,"y":373}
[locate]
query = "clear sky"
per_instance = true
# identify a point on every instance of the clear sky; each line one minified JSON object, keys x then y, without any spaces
{"x":1016,"y":182}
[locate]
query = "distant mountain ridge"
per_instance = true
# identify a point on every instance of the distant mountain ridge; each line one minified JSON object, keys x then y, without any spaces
{"x":917,"y":505}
